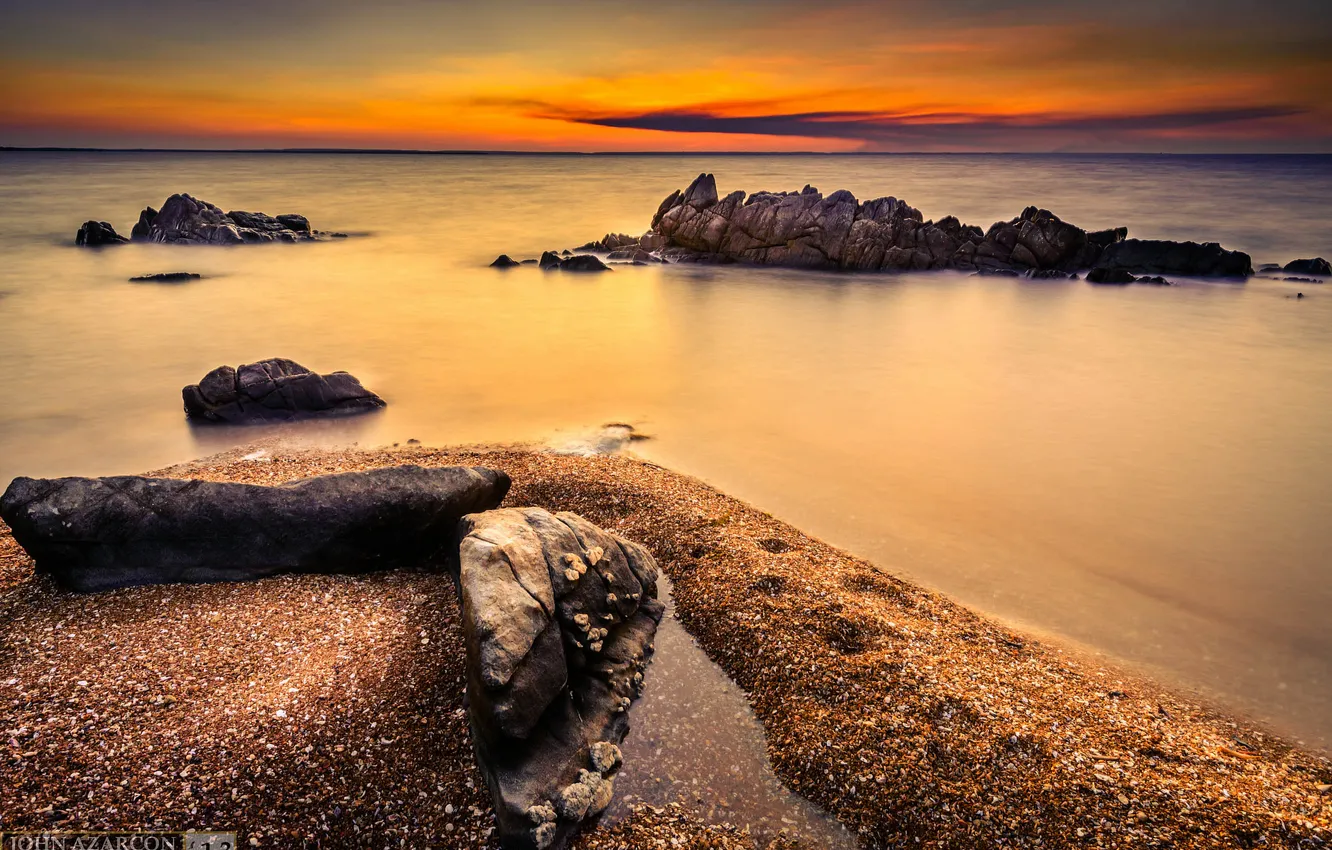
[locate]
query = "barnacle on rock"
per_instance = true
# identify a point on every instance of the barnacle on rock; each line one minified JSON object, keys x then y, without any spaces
{"x":573,"y":800}
{"x":541,"y":813}
{"x":594,"y":555}
{"x":572,"y":574}
{"x":606,"y":756}
{"x":543,"y":835}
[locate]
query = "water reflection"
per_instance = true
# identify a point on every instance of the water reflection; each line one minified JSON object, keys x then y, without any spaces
{"x":695,"y":741}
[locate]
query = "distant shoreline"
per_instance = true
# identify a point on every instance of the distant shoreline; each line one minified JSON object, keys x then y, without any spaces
{"x":690,"y":154}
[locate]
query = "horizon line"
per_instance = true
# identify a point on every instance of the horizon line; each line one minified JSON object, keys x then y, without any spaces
{"x":500,"y":152}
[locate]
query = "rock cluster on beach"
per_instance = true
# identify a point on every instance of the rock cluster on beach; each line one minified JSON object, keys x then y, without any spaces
{"x":558,"y":615}
{"x":186,"y":220}
{"x":558,"y":619}
{"x":807,"y":229}
{"x":276,"y":389}
{"x":100,"y":533}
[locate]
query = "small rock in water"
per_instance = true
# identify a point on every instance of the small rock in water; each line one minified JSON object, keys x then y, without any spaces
{"x":1316,"y":266}
{"x":97,"y":233}
{"x":166,"y":277}
{"x":504,"y":261}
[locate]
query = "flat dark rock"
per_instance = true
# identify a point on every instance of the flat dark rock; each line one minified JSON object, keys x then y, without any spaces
{"x":558,"y":621}
{"x":103,"y":533}
{"x":166,"y":277}
{"x":275,"y":390}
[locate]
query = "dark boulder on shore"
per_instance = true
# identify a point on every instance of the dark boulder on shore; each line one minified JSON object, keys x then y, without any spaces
{"x":559,"y":618}
{"x":1317,"y":266}
{"x":94,"y":234}
{"x":95,"y":534}
{"x":275,"y":390}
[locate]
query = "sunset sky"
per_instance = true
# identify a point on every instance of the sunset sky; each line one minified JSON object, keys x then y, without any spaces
{"x":947,"y":75}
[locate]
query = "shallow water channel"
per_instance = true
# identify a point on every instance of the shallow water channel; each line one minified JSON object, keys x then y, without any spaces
{"x":695,"y":741}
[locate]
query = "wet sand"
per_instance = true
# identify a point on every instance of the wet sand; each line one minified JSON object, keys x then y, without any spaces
{"x":327,"y":710}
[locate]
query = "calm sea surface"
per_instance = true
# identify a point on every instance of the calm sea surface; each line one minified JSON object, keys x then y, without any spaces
{"x":1144,"y":470}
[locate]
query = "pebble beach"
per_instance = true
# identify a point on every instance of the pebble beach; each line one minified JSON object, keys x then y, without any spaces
{"x":327,"y":711}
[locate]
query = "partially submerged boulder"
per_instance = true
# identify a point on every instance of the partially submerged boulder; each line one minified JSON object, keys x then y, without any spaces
{"x":275,"y":390}
{"x":1316,"y":266}
{"x":583,"y":263}
{"x":504,"y":261}
{"x":1191,"y":259}
{"x":103,"y":533}
{"x":559,"y":618}
{"x":166,"y":277}
{"x":94,"y":234}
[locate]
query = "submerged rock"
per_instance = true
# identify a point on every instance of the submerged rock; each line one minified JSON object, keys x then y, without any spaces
{"x":94,"y":234}
{"x":102,"y":533}
{"x":583,"y":263}
{"x":504,"y":261}
{"x":275,"y":390}
{"x":166,"y":277}
{"x":1156,"y":256}
{"x":558,"y":622}
{"x":1316,"y":266}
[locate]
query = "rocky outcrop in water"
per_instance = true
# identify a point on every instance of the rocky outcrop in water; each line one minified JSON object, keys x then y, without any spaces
{"x":275,"y":390}
{"x":186,"y":220}
{"x":94,"y":234}
{"x":558,"y":618}
{"x":1316,"y":266}
{"x":102,"y":533}
{"x":807,"y":229}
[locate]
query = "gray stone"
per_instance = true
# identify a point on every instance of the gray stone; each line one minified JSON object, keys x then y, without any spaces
{"x":558,"y":622}
{"x":95,"y":534}
{"x":275,"y":390}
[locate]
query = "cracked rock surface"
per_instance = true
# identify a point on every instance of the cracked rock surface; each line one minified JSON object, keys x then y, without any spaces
{"x":558,"y":621}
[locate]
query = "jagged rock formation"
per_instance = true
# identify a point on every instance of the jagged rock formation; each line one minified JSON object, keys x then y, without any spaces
{"x":275,"y":390}
{"x":102,"y":533}
{"x":94,"y":234}
{"x":558,"y":618}
{"x":185,"y":220}
{"x":805,"y":229}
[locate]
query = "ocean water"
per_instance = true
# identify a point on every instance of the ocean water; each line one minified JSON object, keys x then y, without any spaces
{"x":1144,"y":471}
